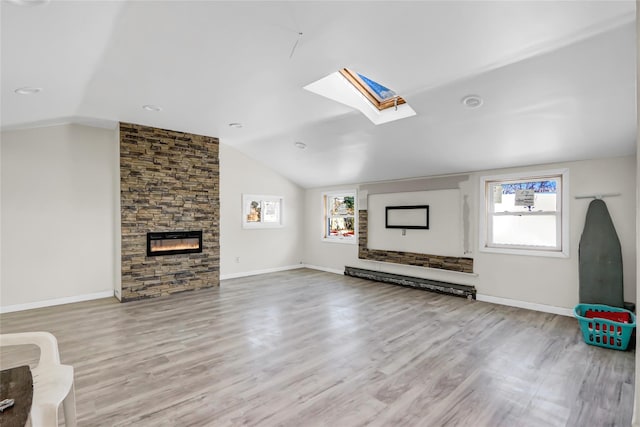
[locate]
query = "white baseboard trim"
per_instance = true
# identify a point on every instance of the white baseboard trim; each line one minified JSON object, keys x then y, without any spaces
{"x":256,"y":272}
{"x":57,"y":301}
{"x":528,"y":305}
{"x":327,"y":269}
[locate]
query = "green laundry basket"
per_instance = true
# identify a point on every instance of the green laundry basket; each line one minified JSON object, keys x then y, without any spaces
{"x":604,"y":332}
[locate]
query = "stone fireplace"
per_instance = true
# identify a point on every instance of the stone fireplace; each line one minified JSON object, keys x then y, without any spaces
{"x":169,"y":206}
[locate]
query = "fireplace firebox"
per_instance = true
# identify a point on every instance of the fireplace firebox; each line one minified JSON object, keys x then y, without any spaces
{"x":174,"y":242}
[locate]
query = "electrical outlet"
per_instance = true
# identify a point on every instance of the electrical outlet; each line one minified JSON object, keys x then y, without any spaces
{"x":237,"y":260}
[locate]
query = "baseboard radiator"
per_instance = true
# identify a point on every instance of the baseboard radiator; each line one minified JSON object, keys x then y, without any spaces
{"x":464,"y":291}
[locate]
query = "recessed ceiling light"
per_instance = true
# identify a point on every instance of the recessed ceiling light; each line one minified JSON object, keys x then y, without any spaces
{"x":472,"y":101}
{"x":27,"y":90}
{"x":30,"y":2}
{"x":301,"y":145}
{"x":235,"y":125}
{"x":153,"y":108}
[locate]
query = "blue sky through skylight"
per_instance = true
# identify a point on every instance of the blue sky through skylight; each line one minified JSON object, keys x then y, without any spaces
{"x":383,"y":92}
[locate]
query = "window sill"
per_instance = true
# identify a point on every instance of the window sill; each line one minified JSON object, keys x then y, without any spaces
{"x":261,"y":226}
{"x":525,"y":252}
{"x":341,"y":241}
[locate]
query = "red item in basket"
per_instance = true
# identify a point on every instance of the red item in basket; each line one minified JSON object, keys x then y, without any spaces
{"x":622,"y":317}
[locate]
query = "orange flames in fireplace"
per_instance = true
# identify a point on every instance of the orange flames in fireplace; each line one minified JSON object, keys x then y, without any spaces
{"x":173,"y":245}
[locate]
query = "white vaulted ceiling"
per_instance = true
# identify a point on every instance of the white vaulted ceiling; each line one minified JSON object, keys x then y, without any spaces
{"x":557,"y":78}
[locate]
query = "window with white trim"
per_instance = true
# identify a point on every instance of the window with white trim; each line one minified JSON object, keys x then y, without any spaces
{"x":525,"y":214}
{"x":339,"y":219}
{"x":260,"y":211}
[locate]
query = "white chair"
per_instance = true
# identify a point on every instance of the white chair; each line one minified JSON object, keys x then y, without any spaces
{"x":52,"y":382}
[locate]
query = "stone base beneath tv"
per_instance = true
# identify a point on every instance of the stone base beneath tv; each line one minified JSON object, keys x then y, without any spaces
{"x":465,"y":291}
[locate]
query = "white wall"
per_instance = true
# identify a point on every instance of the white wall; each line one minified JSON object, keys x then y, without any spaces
{"x":445,"y":223}
{"x":58,"y":204}
{"x":65,"y":179}
{"x":117,"y":221}
{"x":248,"y":251}
{"x":635,"y":422}
{"x":554,"y":281}
{"x":535,"y":280}
{"x":329,"y":255}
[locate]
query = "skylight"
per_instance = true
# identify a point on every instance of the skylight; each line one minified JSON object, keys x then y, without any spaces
{"x":376,"y":101}
{"x":380,"y":96}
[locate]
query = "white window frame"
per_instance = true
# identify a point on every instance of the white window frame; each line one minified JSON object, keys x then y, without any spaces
{"x":248,"y":198}
{"x":562,"y":226}
{"x":326,"y":237}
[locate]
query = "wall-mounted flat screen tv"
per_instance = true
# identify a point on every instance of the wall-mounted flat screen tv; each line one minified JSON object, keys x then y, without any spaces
{"x":413,"y":217}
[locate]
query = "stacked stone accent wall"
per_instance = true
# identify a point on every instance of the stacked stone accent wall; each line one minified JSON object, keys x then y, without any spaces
{"x":169,"y":181}
{"x":464,"y":265}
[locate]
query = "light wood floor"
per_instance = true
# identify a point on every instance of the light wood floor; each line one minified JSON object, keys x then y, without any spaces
{"x":306,"y":348}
